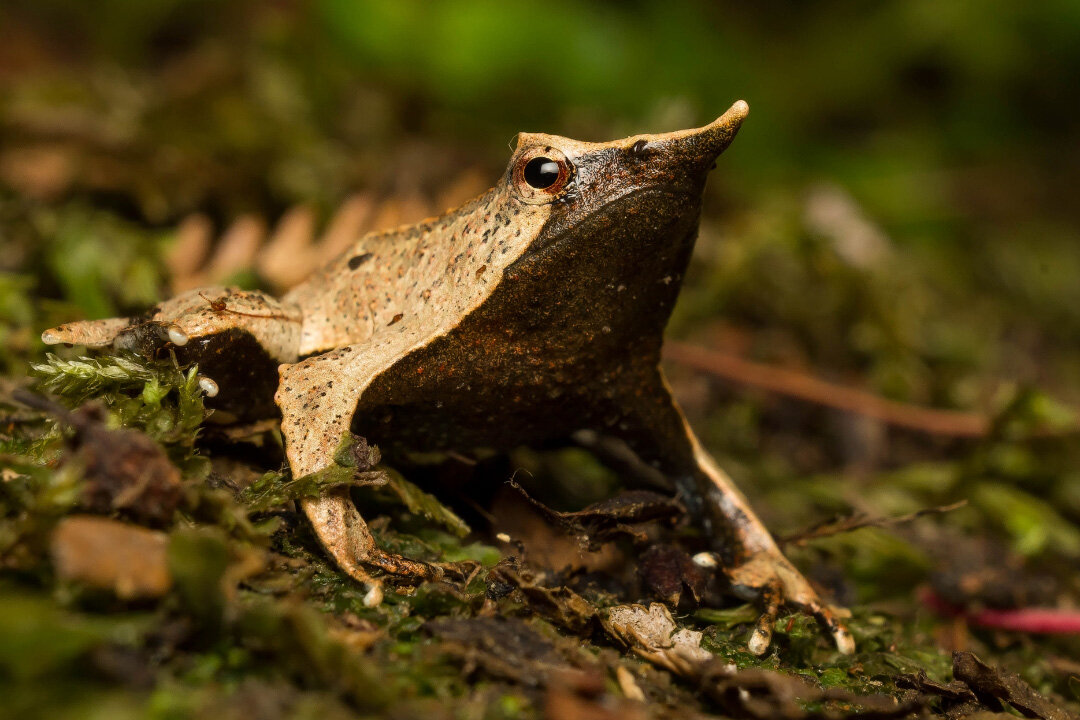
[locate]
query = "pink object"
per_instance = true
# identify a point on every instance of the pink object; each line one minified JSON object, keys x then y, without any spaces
{"x":1050,"y":621}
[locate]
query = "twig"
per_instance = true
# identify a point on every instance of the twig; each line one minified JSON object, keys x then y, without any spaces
{"x":822,"y":392}
{"x":856,"y":522}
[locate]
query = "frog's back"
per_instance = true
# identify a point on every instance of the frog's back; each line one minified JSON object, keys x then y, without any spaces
{"x":420,"y":279}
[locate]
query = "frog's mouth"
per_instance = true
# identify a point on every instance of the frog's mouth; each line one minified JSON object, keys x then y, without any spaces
{"x":569,"y":228}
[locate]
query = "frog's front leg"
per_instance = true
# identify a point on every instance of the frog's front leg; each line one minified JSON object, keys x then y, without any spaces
{"x":317,"y":397}
{"x":655,"y":427}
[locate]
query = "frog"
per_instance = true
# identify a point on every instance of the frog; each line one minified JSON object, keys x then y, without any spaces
{"x":531,"y":312}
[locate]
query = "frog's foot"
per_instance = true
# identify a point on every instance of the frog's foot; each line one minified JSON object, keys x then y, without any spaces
{"x":345,"y":535}
{"x":768,"y":578}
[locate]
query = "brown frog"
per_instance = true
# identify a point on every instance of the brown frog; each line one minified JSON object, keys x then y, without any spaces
{"x":529,"y":313}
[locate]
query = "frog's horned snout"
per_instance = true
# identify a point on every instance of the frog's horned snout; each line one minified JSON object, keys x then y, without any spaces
{"x":736,"y":113}
{"x":714,"y":138}
{"x":728,"y":124}
{"x":703,"y":145}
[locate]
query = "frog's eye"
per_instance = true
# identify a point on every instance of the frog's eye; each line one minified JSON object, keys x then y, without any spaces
{"x":541,"y":174}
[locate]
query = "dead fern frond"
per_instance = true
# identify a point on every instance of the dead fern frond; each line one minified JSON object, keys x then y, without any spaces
{"x":282,"y":254}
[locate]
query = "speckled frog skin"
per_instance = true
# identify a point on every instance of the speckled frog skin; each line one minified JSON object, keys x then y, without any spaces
{"x":531,"y":312}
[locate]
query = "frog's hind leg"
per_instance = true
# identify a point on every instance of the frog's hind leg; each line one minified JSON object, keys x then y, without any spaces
{"x":190,"y":319}
{"x":237,"y":337}
{"x":317,"y":397}
{"x":655,"y":427}
{"x":91,"y":333}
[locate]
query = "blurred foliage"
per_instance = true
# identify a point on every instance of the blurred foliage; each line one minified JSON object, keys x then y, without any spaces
{"x":898,"y":214}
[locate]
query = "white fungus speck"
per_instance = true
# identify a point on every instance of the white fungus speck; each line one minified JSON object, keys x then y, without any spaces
{"x":177,"y":336}
{"x":706,"y":560}
{"x":208,"y":386}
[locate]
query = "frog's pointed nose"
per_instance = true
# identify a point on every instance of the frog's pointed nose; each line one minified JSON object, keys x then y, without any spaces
{"x":721,"y":131}
{"x":702,"y":145}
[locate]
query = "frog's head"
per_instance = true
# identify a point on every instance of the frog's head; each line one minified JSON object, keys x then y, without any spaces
{"x":582,"y":179}
{"x":621,"y":214}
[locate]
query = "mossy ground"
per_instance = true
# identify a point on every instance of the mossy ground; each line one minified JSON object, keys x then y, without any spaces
{"x":902,"y":225}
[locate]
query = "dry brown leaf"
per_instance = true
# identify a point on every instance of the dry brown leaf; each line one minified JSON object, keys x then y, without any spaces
{"x":652,"y":633}
{"x":130,"y":561}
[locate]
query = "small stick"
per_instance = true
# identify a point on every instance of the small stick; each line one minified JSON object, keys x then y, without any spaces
{"x":856,"y":522}
{"x":822,"y":392}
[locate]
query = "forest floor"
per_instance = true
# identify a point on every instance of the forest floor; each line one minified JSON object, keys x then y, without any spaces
{"x":153,"y":562}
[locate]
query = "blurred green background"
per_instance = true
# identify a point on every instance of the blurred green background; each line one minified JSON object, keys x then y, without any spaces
{"x":899,"y":213}
{"x":947,"y":130}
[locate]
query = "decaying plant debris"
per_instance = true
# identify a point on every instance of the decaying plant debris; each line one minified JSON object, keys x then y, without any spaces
{"x":152,"y":559}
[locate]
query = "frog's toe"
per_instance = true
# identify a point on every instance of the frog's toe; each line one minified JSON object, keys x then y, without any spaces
{"x":374,"y":596}
{"x":761,"y":637}
{"x":404,"y":567}
{"x":829,"y":618}
{"x":773,"y":582}
{"x":91,"y":333}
